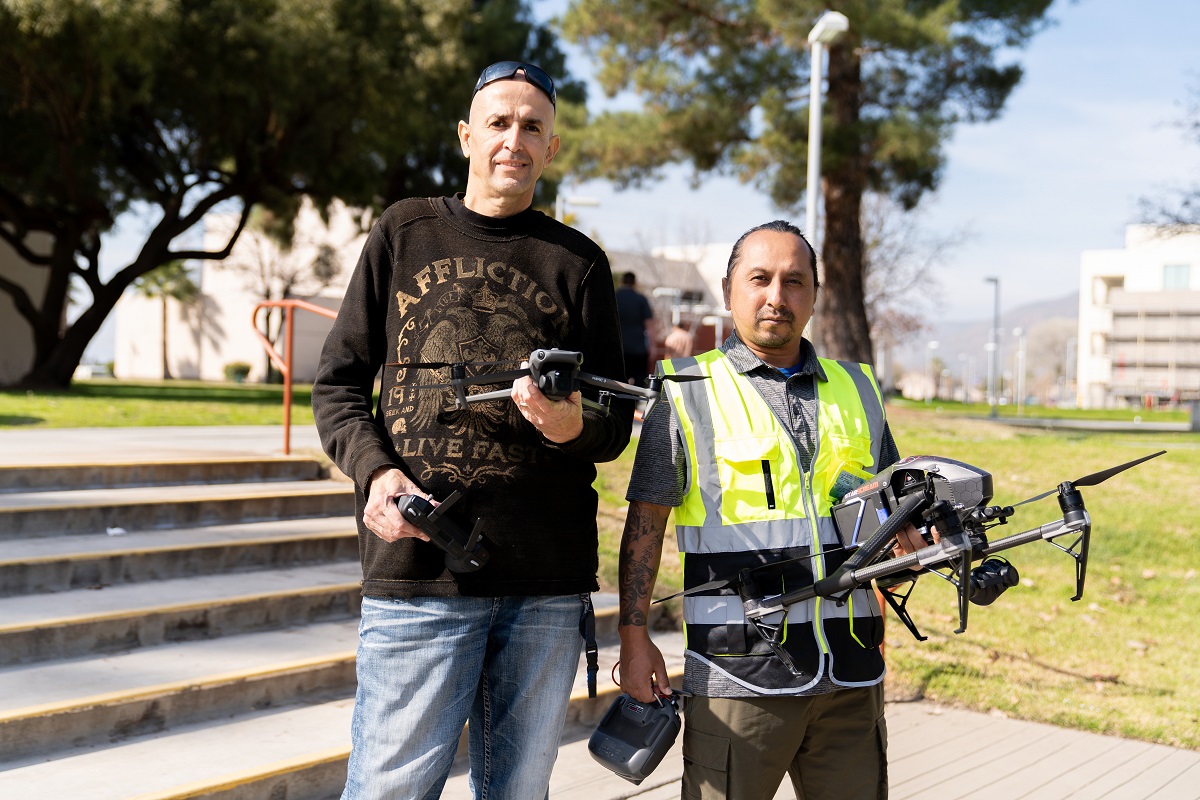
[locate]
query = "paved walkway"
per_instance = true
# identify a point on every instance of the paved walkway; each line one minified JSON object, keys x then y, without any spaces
{"x":28,"y":446}
{"x":936,"y":753}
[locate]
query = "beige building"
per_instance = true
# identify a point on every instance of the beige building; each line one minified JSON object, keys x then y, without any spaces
{"x":1139,"y":320}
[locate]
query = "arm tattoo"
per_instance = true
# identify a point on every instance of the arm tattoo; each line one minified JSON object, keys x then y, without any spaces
{"x":641,"y":549}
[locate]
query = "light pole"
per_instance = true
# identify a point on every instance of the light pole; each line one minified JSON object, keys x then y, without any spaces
{"x":929,"y":348}
{"x":829,"y":27}
{"x":1019,"y":333}
{"x":965,"y":364}
{"x":1070,"y":348}
{"x":993,"y":347}
{"x":561,"y":201}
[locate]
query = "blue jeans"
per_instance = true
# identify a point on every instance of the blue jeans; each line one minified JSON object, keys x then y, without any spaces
{"x":428,"y":665}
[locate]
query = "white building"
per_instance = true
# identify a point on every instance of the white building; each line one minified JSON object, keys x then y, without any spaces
{"x":1139,"y":320}
{"x":204,"y":337}
{"x":215,"y":331}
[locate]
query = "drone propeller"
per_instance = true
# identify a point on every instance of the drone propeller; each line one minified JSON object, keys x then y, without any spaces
{"x":1095,"y":478}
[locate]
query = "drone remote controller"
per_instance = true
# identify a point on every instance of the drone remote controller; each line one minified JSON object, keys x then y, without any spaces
{"x":464,"y":552}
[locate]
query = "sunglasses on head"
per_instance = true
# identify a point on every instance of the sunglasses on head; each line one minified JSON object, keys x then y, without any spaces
{"x":505,"y":70}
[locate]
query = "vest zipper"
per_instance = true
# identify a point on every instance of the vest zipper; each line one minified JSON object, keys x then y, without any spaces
{"x":810,"y":508}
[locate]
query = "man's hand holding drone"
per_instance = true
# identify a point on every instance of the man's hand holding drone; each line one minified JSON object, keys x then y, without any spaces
{"x":560,"y":421}
{"x":909,"y":540}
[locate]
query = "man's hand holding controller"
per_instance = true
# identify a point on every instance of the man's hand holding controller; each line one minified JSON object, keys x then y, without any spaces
{"x":381,"y":515}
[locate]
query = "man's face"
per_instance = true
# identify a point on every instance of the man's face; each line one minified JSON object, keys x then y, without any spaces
{"x":509,"y":139}
{"x":771,"y":294}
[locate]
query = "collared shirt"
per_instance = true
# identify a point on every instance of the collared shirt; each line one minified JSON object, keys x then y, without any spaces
{"x":660,"y":470}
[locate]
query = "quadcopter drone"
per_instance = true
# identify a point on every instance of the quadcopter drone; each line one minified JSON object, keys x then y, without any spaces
{"x":929,"y":492}
{"x":556,"y":373}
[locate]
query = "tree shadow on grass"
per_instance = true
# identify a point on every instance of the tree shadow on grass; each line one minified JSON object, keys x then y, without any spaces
{"x":6,"y":420}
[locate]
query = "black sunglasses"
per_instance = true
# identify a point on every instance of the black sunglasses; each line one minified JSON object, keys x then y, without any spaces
{"x":504,"y":70}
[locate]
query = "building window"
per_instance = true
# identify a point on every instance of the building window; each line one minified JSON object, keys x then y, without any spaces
{"x":1176,"y":276}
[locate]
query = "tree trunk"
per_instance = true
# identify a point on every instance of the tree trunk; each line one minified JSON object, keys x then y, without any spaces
{"x":841,"y":328}
{"x":54,"y":367}
{"x":166,"y":370}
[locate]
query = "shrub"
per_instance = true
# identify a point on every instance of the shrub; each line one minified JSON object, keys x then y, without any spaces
{"x":237,"y":371}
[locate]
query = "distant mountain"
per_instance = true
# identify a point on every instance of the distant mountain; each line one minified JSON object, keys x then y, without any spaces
{"x":969,"y":338}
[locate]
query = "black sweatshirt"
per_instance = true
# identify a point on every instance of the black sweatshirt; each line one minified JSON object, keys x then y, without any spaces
{"x":437,"y":282}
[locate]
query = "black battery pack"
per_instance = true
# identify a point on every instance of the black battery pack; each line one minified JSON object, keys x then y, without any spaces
{"x":633,"y":737}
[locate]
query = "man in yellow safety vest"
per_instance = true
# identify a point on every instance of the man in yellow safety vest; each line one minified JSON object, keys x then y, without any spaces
{"x":752,"y":459}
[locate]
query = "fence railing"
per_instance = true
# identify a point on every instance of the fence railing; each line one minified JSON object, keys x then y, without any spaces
{"x":284,"y":362}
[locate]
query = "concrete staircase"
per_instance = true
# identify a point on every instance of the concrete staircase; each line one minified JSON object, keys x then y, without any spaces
{"x":185,"y":629}
{"x":176,"y":629}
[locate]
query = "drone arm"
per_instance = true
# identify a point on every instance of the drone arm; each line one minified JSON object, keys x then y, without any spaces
{"x":844,"y":579}
{"x":617,"y":387}
{"x":1075,"y":519}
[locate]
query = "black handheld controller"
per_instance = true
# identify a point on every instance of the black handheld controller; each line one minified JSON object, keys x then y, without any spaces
{"x":634,"y":736}
{"x":464,"y":552}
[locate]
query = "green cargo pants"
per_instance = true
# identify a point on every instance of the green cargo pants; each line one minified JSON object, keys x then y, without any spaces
{"x":834,"y":746}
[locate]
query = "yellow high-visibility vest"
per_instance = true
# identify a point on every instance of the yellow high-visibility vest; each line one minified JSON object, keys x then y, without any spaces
{"x":748,"y":504}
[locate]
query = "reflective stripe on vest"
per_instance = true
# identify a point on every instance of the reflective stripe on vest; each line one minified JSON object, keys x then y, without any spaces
{"x":747,"y":502}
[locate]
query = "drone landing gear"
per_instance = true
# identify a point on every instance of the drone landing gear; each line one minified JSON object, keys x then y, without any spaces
{"x":900,"y":606}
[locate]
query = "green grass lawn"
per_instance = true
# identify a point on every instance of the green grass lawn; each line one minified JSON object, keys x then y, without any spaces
{"x":1041,"y":412}
{"x":108,"y":404}
{"x":1119,"y":661}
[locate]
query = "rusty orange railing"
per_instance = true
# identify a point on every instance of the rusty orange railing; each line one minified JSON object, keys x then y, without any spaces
{"x":284,"y":362}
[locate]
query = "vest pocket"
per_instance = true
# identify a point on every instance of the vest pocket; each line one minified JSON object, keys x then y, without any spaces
{"x":748,"y":469}
{"x":852,"y":452}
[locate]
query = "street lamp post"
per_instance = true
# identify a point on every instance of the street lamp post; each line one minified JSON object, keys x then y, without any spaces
{"x":829,"y":27}
{"x":1070,"y":348}
{"x":1019,"y":333}
{"x":993,"y":347}
{"x":929,"y":348}
{"x":965,"y":368}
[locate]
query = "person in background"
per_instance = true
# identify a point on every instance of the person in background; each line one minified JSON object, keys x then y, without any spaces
{"x":637,"y":321}
{"x":478,"y":277}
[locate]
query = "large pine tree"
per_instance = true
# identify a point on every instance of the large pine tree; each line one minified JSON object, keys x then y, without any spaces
{"x":725,"y":88}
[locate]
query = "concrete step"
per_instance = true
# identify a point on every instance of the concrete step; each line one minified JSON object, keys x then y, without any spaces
{"x":24,"y":514}
{"x":93,"y":561}
{"x":297,"y":753}
{"x":49,"y":626}
{"x":157,"y":472}
{"x":293,"y":752}
{"x":49,"y":707}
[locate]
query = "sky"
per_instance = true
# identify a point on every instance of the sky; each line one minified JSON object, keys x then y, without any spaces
{"x":1087,"y":133}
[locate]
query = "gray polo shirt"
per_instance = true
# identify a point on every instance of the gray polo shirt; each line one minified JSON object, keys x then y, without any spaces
{"x":659,"y":469}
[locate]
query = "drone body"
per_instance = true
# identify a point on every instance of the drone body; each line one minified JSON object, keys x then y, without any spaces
{"x":557,"y":374}
{"x":934,"y":494}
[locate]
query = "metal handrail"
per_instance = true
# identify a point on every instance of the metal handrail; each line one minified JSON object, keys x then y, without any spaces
{"x":284,"y":362}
